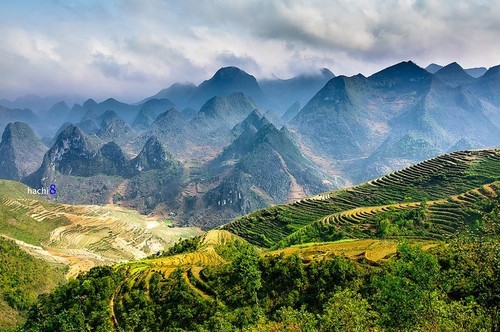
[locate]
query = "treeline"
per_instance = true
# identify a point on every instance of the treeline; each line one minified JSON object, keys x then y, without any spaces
{"x":451,"y":287}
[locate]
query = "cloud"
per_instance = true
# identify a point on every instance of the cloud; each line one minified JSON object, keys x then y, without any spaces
{"x":132,"y":48}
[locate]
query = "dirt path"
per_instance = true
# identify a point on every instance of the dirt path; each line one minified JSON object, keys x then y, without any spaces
{"x":296,"y":191}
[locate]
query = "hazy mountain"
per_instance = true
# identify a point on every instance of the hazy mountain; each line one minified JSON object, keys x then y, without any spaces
{"x":149,"y":112}
{"x":153,"y":156}
{"x":398,"y":116}
{"x":77,"y":162}
{"x":173,"y":130}
{"x":350,"y":115}
{"x":21,"y":152}
{"x":38,"y":103}
{"x":178,"y":93}
{"x":155,"y":178}
{"x":441,"y":119}
{"x":8,"y":115}
{"x":71,"y":154}
{"x":335,"y":120}
{"x":454,"y":75}
{"x":284,"y":92}
{"x":56,"y":115}
{"x":113,"y":128}
{"x":476,"y":72}
{"x":487,"y":86}
{"x":225,"y":111}
{"x":255,"y":119}
{"x":433,"y":68}
{"x":90,"y":122}
{"x":225,"y":82}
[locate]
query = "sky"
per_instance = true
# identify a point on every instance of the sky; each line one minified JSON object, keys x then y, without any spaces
{"x":131,"y":49}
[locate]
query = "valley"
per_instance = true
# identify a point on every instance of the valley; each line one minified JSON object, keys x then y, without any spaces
{"x":401,"y":226}
{"x":82,"y":236}
{"x":204,"y":203}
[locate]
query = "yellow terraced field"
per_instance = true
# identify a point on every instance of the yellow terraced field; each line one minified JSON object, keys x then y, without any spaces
{"x":83,"y":236}
{"x":372,"y":250}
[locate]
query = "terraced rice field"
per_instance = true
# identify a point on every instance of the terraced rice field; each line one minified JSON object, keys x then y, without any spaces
{"x":83,"y":236}
{"x":140,"y":273}
{"x":368,"y":249}
{"x":466,"y":175}
{"x":192,"y":265}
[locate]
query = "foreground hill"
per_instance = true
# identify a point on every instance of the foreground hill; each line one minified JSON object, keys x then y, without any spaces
{"x":41,"y":242}
{"x":22,"y":278}
{"x":442,"y":277}
{"x":437,"y":189}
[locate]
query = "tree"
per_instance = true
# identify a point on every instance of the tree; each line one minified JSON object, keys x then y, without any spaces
{"x":347,"y":311}
{"x":245,"y":268}
{"x":405,"y":288}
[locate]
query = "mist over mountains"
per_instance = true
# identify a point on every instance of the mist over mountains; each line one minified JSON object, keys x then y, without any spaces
{"x":232,"y":144}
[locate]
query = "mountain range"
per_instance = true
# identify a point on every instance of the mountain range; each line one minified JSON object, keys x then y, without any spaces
{"x":239,"y":143}
{"x":256,"y":166}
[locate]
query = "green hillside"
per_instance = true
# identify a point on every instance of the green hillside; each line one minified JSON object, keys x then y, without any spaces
{"x":420,"y":244}
{"x":455,"y":182}
{"x":22,"y":279}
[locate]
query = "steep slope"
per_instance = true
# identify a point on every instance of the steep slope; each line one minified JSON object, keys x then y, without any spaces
{"x":255,"y":119}
{"x":433,"y":68}
{"x":348,"y":117}
{"x":22,"y":279}
{"x":173,"y":129}
{"x":72,"y":153}
{"x":442,"y":118}
{"x":225,"y":82}
{"x":56,"y":115}
{"x":365,"y":127}
{"x":476,"y":72}
{"x":291,"y":112}
{"x":213,"y":123}
{"x":446,"y":183}
{"x":113,"y":128}
{"x":224,"y":112}
{"x":262,"y":166}
{"x":87,"y":172}
{"x":334,"y":120}
{"x":21,"y":152}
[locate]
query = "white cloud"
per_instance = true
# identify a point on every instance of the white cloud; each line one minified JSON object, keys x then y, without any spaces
{"x":132,"y":48}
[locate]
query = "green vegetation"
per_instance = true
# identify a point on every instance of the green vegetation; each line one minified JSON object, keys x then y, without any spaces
{"x":453,"y":184}
{"x":442,"y":276}
{"x":442,"y":289}
{"x":16,"y":222}
{"x":22,"y":279}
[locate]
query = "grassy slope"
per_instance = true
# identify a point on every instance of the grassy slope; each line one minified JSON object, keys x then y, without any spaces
{"x":448,"y":184}
{"x":432,"y":180}
{"x":22,"y":278}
